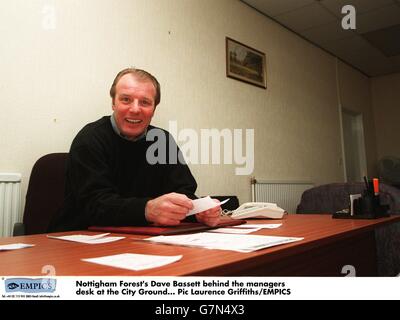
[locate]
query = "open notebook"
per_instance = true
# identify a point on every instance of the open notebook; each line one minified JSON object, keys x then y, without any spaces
{"x":184,"y":227}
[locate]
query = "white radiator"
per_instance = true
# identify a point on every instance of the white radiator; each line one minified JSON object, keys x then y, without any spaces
{"x":286,"y":194}
{"x":10,"y":202}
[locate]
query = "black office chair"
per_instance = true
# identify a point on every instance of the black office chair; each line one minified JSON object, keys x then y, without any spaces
{"x":45,"y":194}
{"x":333,"y":197}
{"x":232,"y":204}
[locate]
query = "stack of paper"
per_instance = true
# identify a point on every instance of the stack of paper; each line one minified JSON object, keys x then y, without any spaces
{"x":260,"y":225}
{"x":247,"y":228}
{"x":234,"y":242}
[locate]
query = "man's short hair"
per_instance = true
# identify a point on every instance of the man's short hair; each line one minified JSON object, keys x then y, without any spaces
{"x":139,"y":74}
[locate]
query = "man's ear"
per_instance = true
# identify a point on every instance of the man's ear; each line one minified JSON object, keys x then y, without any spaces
{"x":113,"y":105}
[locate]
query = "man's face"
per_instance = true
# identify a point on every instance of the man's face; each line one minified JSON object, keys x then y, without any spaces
{"x":133,"y":105}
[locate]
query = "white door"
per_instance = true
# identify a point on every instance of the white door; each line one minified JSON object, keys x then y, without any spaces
{"x":354,"y":146}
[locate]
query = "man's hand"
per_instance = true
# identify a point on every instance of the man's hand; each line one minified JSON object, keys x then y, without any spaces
{"x":210,"y":217}
{"x":168,"y":209}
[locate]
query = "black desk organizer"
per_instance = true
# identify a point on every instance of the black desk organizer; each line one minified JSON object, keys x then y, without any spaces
{"x":366,"y":207}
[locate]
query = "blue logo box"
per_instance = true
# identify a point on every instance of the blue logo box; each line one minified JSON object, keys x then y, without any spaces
{"x":30,"y":285}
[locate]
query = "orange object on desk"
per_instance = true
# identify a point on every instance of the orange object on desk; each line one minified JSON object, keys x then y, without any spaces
{"x":376,"y":186}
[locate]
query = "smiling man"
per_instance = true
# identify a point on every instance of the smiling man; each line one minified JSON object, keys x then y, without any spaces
{"x":108,"y":178}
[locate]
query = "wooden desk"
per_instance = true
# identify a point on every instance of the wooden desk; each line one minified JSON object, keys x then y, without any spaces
{"x":328,"y":245}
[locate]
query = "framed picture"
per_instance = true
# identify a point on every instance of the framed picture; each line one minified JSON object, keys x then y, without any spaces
{"x":245,"y":63}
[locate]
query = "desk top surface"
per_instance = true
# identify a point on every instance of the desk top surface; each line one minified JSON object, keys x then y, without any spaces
{"x":65,"y":256}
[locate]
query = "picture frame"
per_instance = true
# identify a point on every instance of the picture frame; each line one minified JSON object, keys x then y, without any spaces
{"x":245,"y":63}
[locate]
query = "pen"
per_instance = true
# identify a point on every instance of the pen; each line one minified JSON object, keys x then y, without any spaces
{"x":366,"y":183}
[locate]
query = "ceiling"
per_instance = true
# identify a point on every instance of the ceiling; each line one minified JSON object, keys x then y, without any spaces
{"x":373,"y":47}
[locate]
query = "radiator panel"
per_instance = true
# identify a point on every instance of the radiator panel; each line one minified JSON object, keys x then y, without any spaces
{"x":286,"y":194}
{"x":10,"y":202}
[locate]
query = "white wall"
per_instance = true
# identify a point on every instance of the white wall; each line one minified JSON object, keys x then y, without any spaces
{"x":52,"y":82}
{"x":386,"y":103}
{"x":355,"y":96}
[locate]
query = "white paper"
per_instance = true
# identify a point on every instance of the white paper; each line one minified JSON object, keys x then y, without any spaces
{"x":102,"y":240}
{"x":15,"y":246}
{"x":352,"y":198}
{"x":203,"y":204}
{"x":82,"y":238}
{"x":260,"y":226}
{"x":233,"y":230}
{"x":234,"y":242}
{"x":133,"y":261}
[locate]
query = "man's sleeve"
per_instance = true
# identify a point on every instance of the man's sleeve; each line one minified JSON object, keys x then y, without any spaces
{"x":97,"y":195}
{"x":179,"y":179}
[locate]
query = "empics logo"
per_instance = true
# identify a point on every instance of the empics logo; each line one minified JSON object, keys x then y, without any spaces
{"x":30,"y":285}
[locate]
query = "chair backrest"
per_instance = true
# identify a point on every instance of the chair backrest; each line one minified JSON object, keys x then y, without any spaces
{"x":45,"y":194}
{"x":329,"y":198}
